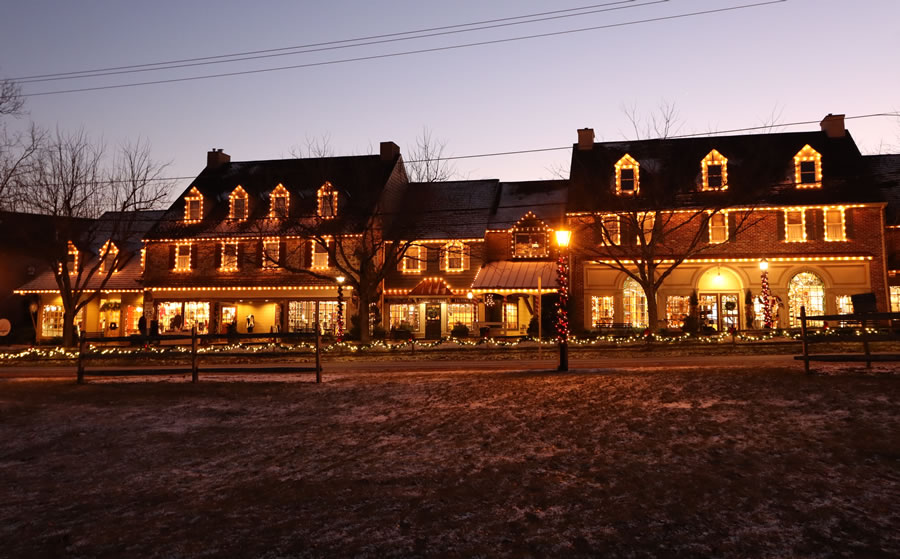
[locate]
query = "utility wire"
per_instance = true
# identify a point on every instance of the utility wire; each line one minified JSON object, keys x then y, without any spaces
{"x":411,"y":52}
{"x":288,"y":51}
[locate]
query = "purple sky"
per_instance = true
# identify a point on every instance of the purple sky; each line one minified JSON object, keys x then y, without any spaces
{"x":798,"y":60}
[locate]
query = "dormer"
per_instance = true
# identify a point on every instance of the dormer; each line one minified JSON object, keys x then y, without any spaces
{"x":714,"y":171}
{"x":628,"y":179}
{"x":530,"y":238}
{"x":238,"y":204}
{"x":71,"y":258}
{"x":108,"y":255}
{"x":327,"y":198}
{"x":808,"y":168}
{"x":193,"y":206}
{"x":279,"y":202}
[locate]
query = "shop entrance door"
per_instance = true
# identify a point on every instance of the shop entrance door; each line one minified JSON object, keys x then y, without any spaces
{"x":720,"y":311}
{"x":433,"y":321}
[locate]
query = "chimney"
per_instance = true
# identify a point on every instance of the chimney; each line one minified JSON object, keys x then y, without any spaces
{"x":833,"y":126}
{"x":389,"y":151}
{"x":585,"y":139}
{"x":216,"y":158}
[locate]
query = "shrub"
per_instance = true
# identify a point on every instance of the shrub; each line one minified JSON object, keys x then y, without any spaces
{"x":460,"y":330}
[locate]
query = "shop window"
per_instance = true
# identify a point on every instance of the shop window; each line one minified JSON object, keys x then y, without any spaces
{"x":279,"y":202}
{"x":510,"y":316}
{"x":238,"y":204}
{"x":808,"y":168}
{"x":302,"y":316}
{"x":461,"y":313}
{"x":634,"y":304}
{"x":806,"y":289}
{"x":327,"y":201}
{"x":176,"y":316}
{"x":895,"y":298}
{"x":678,"y":308}
{"x":404,"y":316}
{"x":530,"y":244}
{"x":714,"y":171}
{"x":794,"y":226}
{"x":602,"y":310}
{"x":627,"y":176}
{"x":193,"y":206}
{"x":844,"y":305}
{"x":52,"y":321}
{"x":835,"y":229}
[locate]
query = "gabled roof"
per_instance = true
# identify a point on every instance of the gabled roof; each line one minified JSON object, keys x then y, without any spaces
{"x":760,"y":169}
{"x":359,"y":181}
{"x":449,"y":210}
{"x":545,"y":199}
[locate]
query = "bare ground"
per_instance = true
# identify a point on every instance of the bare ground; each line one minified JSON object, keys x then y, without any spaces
{"x":676,"y":462}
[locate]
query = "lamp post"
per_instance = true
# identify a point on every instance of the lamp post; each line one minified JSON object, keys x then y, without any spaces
{"x":340,"y":309}
{"x":764,"y":279}
{"x":562,"y":282}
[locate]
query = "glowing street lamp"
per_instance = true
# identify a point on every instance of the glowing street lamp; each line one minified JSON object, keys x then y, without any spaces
{"x":340,"y":309}
{"x":764,"y":279}
{"x":563,"y":238}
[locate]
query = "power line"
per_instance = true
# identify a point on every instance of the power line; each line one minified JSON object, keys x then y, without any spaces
{"x":335,"y":45}
{"x":411,"y":52}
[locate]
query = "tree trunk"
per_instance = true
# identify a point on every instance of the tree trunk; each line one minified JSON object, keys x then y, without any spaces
{"x":652,"y":313}
{"x":363,"y":314}
{"x":69,"y":340}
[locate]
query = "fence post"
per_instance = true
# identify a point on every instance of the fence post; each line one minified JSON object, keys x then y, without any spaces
{"x":804,"y":339}
{"x":81,"y":348}
{"x":318,"y":353}
{"x":195,"y":369}
{"x":865,"y":337}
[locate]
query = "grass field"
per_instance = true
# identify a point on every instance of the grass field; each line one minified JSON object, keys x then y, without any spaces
{"x":728,"y":462}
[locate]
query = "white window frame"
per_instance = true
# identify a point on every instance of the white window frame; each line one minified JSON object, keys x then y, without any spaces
{"x":801,"y":238}
{"x":413,"y":261}
{"x":271,"y":253}
{"x":722,"y":229}
{"x":225,"y":264}
{"x":194,"y":200}
{"x":182,"y":260}
{"x":456,"y":247}
{"x":238,"y":194}
{"x":319,"y":256}
{"x":840,"y":226}
{"x":628,"y":162}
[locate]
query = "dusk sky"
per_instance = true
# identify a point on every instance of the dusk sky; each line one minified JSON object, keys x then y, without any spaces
{"x":797,"y":60}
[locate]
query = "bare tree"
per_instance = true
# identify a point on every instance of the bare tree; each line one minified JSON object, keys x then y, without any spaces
{"x":11,"y":100}
{"x":70,"y":182}
{"x":17,"y":149}
{"x":427,"y":162}
{"x":314,"y":147}
{"x":662,"y":123}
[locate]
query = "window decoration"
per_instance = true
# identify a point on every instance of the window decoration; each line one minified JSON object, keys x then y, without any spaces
{"x":319,"y":255}
{"x":628,"y":179}
{"x":271,"y":252}
{"x":610,"y":230}
{"x":530,"y":238}
{"x":327,"y":201}
{"x":806,"y":289}
{"x":808,"y":168}
{"x":279,"y":202}
{"x":795,"y":226}
{"x":183,"y":257}
{"x":229,"y":256}
{"x":72,"y":258}
{"x":414,"y":259}
{"x":634,"y":304}
{"x":108,"y":253}
{"x":237,"y":204}
{"x":52,"y":321}
{"x":455,"y":257}
{"x":645,"y":223}
{"x":193,"y":206}
{"x":714,"y":170}
{"x":678,"y":308}
{"x":602,"y":310}
{"x":718,"y":227}
{"x":835,"y":227}
{"x":405,"y":317}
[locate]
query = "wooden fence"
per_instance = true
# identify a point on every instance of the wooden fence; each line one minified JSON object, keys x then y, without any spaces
{"x":863,"y":319}
{"x":195,"y":365}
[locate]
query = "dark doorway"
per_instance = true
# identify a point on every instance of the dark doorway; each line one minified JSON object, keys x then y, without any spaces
{"x":433,"y":321}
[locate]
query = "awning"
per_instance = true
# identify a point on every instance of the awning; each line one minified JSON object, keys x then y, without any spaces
{"x":511,"y":275}
{"x":431,"y":287}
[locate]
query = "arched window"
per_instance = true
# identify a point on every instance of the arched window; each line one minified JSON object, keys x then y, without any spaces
{"x":193,"y":206}
{"x":808,"y":168}
{"x":628,"y":179}
{"x":806,"y":289}
{"x":279,"y":202}
{"x":455,"y":257}
{"x":634,"y":304}
{"x":714,"y":169}
{"x":237,"y":208}
{"x":327,"y":197}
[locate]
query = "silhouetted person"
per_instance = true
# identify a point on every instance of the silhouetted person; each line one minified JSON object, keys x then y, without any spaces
{"x":142,"y":325}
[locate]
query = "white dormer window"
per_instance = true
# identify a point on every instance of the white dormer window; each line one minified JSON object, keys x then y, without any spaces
{"x":530,"y":238}
{"x":327,"y":201}
{"x":714,"y":171}
{"x":628,"y":180}
{"x":279,"y":202}
{"x":238,"y":204}
{"x":193,"y":206}
{"x":808,"y":168}
{"x":455,"y":257}
{"x":72,"y":259}
{"x":414,"y":259}
{"x":108,"y":254}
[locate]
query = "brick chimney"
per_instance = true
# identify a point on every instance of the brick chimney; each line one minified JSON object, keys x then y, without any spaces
{"x":833,"y":126}
{"x":216,"y":158}
{"x":585,"y":139}
{"x":389,"y":151}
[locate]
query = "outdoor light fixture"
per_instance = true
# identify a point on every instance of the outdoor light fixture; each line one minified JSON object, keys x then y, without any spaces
{"x":340,"y":309}
{"x":470,"y":295}
{"x":562,"y":314}
{"x":765,"y":295}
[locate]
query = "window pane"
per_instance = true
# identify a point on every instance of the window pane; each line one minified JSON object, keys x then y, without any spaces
{"x":602,"y":310}
{"x":678,"y":307}
{"x":807,"y":172}
{"x":714,"y":176}
{"x":405,"y":317}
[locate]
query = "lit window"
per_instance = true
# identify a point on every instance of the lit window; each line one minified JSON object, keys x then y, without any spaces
{"x":108,"y":253}
{"x":627,"y":176}
{"x":634,"y":304}
{"x":510,"y":316}
{"x":319,"y":255}
{"x":238,"y":204}
{"x":279,"y":202}
{"x":327,"y":197}
{"x":229,"y":256}
{"x":602,"y":310}
{"x":895,"y":298}
{"x":193,"y":206}
{"x":609,"y":232}
{"x":808,"y":168}
{"x":461,"y":313}
{"x":183,"y":258}
{"x":806,"y":289}
{"x":834,"y":224}
{"x":718,"y":228}
{"x":405,"y":317}
{"x":455,"y":257}
{"x":794,"y":226}
{"x":414,"y":259}
{"x":678,"y":307}
{"x":530,"y":244}
{"x":52,"y":321}
{"x":72,"y":259}
{"x":844,"y":305}
{"x":271,"y":253}
{"x":714,"y":170}
{"x":645,"y":220}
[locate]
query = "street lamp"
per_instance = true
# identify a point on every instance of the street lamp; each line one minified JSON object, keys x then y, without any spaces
{"x":764,"y":279}
{"x":340,"y":309}
{"x":562,"y":282}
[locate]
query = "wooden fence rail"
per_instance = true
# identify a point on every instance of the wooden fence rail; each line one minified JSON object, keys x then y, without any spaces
{"x":863,"y":319}
{"x":195,"y":365}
